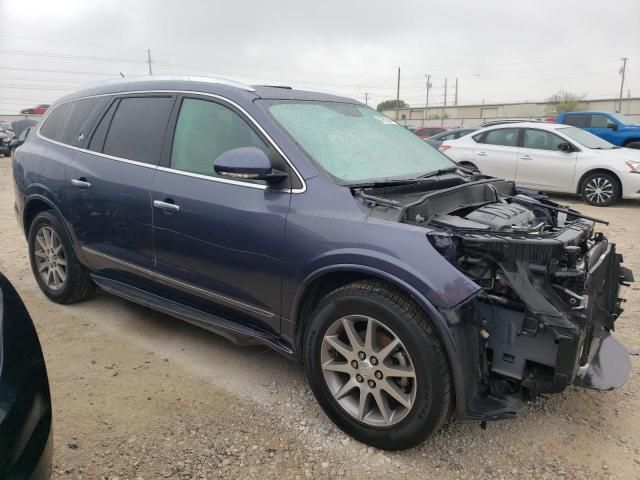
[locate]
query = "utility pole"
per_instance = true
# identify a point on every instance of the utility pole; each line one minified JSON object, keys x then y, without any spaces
{"x":455,"y":102}
{"x":149,"y":61}
{"x":623,"y":70}
{"x":426,"y":103}
{"x":366,"y":98}
{"x":445,"y":103}
{"x":398,"y":97}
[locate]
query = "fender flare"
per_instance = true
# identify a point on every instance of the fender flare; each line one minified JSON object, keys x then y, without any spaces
{"x":444,"y":332}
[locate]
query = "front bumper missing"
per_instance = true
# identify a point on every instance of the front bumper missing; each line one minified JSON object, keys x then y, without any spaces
{"x":605,"y":363}
{"x":516,"y":363}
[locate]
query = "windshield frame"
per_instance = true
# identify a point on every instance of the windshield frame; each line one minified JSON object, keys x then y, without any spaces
{"x":623,"y":119}
{"x":266,"y":103}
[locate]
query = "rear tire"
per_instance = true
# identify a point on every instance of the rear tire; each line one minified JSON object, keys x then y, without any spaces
{"x":55,"y":266}
{"x":635,"y":145}
{"x":355,"y":388}
{"x":600,"y":189}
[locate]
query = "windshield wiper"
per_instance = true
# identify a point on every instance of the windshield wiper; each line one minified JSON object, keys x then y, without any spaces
{"x":441,"y":171}
{"x":404,"y":181}
{"x":384,"y":183}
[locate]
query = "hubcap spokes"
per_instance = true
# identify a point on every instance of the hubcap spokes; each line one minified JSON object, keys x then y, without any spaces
{"x":368,"y":370}
{"x":599,"y":190}
{"x":50,"y":259}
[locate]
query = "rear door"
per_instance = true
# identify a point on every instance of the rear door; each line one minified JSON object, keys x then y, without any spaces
{"x":219,"y":242}
{"x":108,"y":185}
{"x":541,"y":164}
{"x":496,"y":152}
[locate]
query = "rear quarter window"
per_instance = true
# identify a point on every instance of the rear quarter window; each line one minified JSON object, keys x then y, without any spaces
{"x":580,"y":121}
{"x":71,"y":122}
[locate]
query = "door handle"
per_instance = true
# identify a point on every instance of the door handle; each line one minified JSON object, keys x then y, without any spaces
{"x":481,"y":154}
{"x":168,"y":205}
{"x":80,"y":182}
{"x":526,"y":157}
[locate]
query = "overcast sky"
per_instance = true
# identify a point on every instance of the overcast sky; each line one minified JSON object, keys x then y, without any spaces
{"x":499,"y":50}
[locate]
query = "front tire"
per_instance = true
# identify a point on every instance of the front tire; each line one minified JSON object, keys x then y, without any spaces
{"x":376,"y":365}
{"x":55,"y":266}
{"x":600,"y":189}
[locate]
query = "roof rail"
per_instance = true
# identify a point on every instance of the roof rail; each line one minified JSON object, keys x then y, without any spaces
{"x":192,"y":78}
{"x":285,"y":87}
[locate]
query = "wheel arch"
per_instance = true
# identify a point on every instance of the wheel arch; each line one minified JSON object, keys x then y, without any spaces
{"x":33,"y":206}
{"x":36,"y":204}
{"x":317,"y":285}
{"x":598,"y":170}
{"x":627,"y":141}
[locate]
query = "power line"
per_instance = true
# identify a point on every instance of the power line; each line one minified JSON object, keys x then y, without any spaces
{"x":31,"y":53}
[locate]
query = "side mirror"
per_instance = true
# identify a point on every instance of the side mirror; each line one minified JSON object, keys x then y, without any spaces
{"x":247,"y":163}
{"x":565,"y":147}
{"x":612,"y":126}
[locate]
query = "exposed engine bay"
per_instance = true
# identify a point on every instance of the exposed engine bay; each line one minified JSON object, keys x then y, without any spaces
{"x":549,"y":289}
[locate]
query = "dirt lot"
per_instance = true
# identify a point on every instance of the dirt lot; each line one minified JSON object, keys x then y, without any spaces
{"x":137,"y":394}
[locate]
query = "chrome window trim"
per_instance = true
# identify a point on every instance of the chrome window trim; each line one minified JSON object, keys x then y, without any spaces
{"x":184,"y":285}
{"x":171,"y":170}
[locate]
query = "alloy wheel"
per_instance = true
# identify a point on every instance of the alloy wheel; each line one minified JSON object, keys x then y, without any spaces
{"x":50,"y":258}
{"x":368,"y":370}
{"x":599,"y":190}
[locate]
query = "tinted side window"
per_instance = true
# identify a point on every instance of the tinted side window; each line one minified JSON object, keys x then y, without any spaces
{"x":100,"y":133}
{"x":52,"y":126}
{"x":137,"y":129}
{"x":70,"y":123}
{"x":599,"y":121}
{"x":205,"y":130}
{"x":541,"y":140}
{"x":507,"y":137}
{"x":580,"y":121}
{"x":80,"y":118}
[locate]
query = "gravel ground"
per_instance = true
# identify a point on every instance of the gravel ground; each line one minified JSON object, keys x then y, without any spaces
{"x":137,"y":394}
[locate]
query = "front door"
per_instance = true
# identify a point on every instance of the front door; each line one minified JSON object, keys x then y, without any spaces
{"x":109,"y":204}
{"x":217,"y":240}
{"x":603,"y":126}
{"x":541,"y":164}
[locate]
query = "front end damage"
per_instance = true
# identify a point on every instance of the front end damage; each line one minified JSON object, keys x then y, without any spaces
{"x":549,"y":295}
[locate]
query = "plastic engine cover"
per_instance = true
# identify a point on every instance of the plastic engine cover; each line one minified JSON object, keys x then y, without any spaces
{"x":502,"y":216}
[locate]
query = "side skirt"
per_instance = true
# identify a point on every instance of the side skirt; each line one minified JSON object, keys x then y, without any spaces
{"x":235,"y":332}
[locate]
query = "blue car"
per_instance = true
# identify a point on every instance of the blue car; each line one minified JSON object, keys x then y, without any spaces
{"x":311,"y":223}
{"x":615,"y":128}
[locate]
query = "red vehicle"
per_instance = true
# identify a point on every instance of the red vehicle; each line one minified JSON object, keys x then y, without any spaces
{"x":39,"y":110}
{"x":427,"y":132}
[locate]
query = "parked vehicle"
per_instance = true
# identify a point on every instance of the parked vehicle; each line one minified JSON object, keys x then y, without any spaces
{"x":5,"y":141}
{"x":18,"y":141}
{"x":492,"y":123}
{"x":17,"y":126}
{"x":612,"y":127}
{"x":553,"y":158}
{"x":317,"y":226}
{"x":427,"y":132}
{"x":438,"y":138}
{"x":25,"y":403}
{"x":39,"y":110}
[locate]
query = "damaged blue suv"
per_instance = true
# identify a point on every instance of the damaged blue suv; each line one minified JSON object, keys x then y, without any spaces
{"x":409,"y":287}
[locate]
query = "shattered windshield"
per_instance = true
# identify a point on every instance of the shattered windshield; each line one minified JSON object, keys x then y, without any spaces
{"x":356,"y":144}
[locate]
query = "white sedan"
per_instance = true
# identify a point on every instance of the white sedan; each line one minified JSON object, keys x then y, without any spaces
{"x":551,"y":157}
